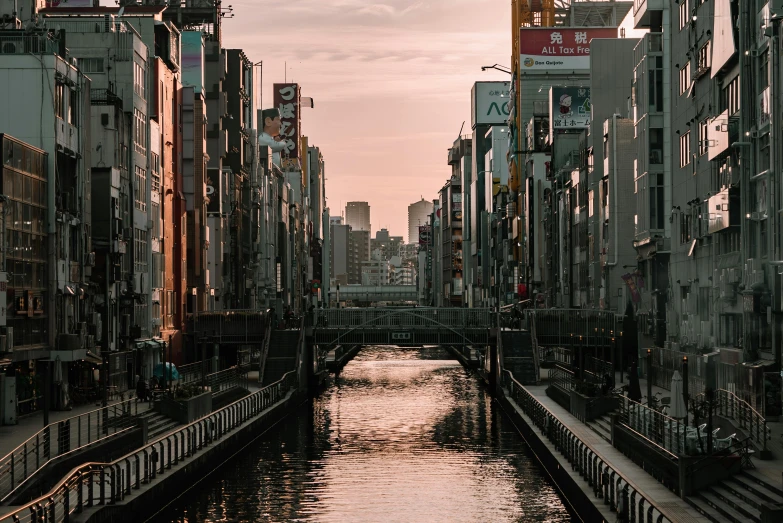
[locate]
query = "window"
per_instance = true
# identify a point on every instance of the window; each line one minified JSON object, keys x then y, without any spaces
{"x":141,"y":243}
{"x":764,"y":69}
{"x":764,"y":153}
{"x":705,"y":58}
{"x":140,"y":191}
{"x":59,"y":101}
{"x":655,"y":73}
{"x":685,"y":77}
{"x":705,"y":309}
{"x":730,"y":329}
{"x":155,"y":161}
{"x":656,"y":146}
{"x":657,"y":213}
{"x":73,"y":108}
{"x":685,"y":227}
{"x":703,"y":136}
{"x":685,"y":149}
{"x":730,"y":97}
{"x":684,"y":18}
{"x":91,"y":65}
{"x":140,"y":133}
{"x":140,"y":79}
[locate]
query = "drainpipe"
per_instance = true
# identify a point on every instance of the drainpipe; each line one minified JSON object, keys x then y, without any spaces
{"x":613,"y":197}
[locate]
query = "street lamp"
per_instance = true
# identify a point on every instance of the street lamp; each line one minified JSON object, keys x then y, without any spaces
{"x":501,"y":68}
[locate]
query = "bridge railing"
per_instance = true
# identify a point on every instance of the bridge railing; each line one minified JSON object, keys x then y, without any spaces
{"x":573,"y":327}
{"x":384,"y":318}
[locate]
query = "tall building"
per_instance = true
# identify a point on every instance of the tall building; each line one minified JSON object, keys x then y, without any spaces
{"x":357,"y":215}
{"x":418,"y":215}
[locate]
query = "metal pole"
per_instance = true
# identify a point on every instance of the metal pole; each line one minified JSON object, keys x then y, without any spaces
{"x":710,"y":394}
{"x":170,"y":370}
{"x":46,"y":391}
{"x":685,"y":386}
{"x":649,"y":377}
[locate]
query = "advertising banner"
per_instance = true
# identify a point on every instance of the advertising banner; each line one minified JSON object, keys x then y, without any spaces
{"x":424,"y":234}
{"x":490,"y":103}
{"x":569,"y":107}
{"x":558,"y":49}
{"x":630,"y":281}
{"x":286,"y":99}
{"x":192,"y":43}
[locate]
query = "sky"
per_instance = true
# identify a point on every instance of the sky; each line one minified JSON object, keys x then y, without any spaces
{"x":391,"y":83}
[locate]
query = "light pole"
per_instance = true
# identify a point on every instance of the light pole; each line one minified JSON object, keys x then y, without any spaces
{"x":501,"y":68}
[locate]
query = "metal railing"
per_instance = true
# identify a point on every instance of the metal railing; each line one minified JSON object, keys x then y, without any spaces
{"x":561,"y":378}
{"x":669,"y":435}
{"x":607,"y":483}
{"x":192,"y":371}
{"x":573,"y":327}
{"x":62,"y":437}
{"x":227,"y":379}
{"x":731,"y":406}
{"x":95,"y":484}
{"x":418,"y":317}
{"x":558,"y":355}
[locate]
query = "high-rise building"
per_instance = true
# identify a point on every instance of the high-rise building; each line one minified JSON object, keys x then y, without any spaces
{"x":418,"y":214}
{"x":357,"y":215}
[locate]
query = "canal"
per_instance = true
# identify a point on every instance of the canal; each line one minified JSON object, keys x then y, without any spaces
{"x":403,"y":435}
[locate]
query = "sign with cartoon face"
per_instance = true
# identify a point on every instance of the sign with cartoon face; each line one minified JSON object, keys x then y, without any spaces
{"x":286,"y":99}
{"x":570,"y":107}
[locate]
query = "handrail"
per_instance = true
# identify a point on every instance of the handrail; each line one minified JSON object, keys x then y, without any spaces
{"x":708,"y":460}
{"x":60,"y":437}
{"x":655,"y":427}
{"x":733,"y":407}
{"x":265,"y":347}
{"x":94,"y":483}
{"x":605,"y":480}
{"x":562,"y":378}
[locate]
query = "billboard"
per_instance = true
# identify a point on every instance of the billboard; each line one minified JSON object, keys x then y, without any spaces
{"x":490,"y":103}
{"x":193,"y":60}
{"x":424,"y":234}
{"x":558,"y":49}
{"x":569,"y":107}
{"x":286,"y":100}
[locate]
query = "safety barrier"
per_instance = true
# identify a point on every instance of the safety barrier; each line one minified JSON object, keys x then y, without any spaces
{"x":606,"y":482}
{"x":61,"y":437}
{"x":95,"y":484}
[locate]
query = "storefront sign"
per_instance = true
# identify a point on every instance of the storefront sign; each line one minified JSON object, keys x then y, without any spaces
{"x":286,"y":99}
{"x":546,"y":50}
{"x":570,"y":107}
{"x":490,"y":103}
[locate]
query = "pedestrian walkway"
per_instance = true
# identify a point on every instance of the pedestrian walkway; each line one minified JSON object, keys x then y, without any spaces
{"x":11,"y":436}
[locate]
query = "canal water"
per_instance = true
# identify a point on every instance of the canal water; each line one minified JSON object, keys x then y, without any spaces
{"x":403,"y":435}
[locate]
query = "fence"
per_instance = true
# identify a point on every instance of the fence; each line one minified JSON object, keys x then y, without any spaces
{"x":561,"y":378}
{"x":574,"y":327}
{"x":94,"y":484}
{"x":61,"y":437}
{"x":416,"y":317}
{"x":606,"y":482}
{"x":731,"y":406}
{"x":667,"y":434}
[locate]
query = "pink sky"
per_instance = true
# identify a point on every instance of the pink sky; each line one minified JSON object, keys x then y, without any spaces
{"x":391,"y":83}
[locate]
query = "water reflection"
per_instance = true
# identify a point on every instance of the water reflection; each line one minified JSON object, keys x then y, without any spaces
{"x":401,"y":435}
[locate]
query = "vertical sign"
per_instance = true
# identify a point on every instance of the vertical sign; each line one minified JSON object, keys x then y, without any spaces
{"x":4,"y":302}
{"x":286,"y":100}
{"x":192,"y":58}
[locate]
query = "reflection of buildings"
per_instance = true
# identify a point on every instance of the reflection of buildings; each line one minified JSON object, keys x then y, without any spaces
{"x":418,"y":214}
{"x":450,"y":292}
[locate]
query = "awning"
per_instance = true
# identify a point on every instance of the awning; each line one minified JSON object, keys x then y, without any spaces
{"x":149,"y":344}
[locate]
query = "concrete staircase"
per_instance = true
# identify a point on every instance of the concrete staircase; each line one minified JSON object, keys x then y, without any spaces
{"x":736,"y":500}
{"x":157,"y":424}
{"x":602,"y":426}
{"x":283,"y":347}
{"x":518,"y":356}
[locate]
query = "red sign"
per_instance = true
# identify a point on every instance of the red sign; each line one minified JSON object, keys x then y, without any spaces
{"x":424,"y":234}
{"x":286,"y":99}
{"x":557,"y":48}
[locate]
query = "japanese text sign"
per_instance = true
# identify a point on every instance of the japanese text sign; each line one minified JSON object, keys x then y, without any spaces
{"x":570,"y":107}
{"x":286,"y":99}
{"x":558,"y":49}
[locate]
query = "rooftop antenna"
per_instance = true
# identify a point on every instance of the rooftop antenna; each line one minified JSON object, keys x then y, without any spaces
{"x":460,"y":129}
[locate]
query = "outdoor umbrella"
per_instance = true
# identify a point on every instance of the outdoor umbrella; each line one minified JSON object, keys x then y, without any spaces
{"x":677,"y":408}
{"x":170,"y":371}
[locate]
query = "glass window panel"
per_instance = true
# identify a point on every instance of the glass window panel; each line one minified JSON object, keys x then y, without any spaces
{"x":28,"y":189}
{"x":18,"y":186}
{"x":27,"y":217}
{"x":17,"y":156}
{"x":8,"y":183}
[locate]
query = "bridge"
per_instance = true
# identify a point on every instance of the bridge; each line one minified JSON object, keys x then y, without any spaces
{"x":403,"y":326}
{"x":374,"y":293}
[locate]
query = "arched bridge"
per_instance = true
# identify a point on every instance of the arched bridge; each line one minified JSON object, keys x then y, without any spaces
{"x":403,"y":326}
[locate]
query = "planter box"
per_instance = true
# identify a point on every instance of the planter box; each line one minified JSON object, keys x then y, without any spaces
{"x":587,"y":408}
{"x":186,"y":411}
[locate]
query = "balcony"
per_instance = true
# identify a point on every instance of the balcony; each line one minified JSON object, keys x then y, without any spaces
{"x":641,"y":12}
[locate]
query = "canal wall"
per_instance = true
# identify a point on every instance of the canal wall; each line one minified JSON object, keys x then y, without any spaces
{"x":189,"y":472}
{"x":577,"y":495}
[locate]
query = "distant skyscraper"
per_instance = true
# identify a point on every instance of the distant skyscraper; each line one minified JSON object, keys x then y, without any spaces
{"x":418,"y":214}
{"x":357,"y":215}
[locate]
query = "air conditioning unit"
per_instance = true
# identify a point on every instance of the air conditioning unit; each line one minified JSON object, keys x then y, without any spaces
{"x":109,"y":24}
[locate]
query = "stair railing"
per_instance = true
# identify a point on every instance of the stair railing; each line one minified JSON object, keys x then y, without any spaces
{"x":265,"y":349}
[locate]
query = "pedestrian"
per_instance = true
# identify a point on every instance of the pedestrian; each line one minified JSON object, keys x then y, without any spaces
{"x":272,"y":317}
{"x":141,"y":388}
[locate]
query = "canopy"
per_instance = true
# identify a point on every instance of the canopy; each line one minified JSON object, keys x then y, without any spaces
{"x":170,"y":371}
{"x":677,"y":408}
